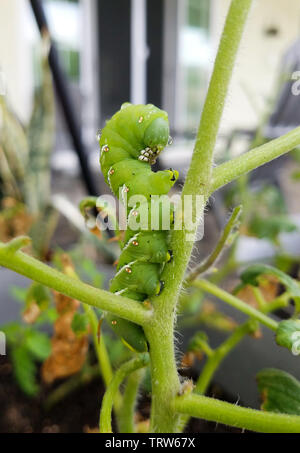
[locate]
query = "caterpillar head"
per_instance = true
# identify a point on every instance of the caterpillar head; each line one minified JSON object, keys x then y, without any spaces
{"x":156,"y":135}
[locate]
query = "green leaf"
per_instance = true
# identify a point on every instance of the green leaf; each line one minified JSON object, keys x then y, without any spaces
{"x":18,"y":293}
{"x":280,"y":391}
{"x":251,"y":274}
{"x":48,"y":316}
{"x":95,"y":277}
{"x":285,"y":263}
{"x":38,"y":344}
{"x":25,"y":370}
{"x":38,"y":294}
{"x":80,"y":324}
{"x":288,"y":335}
{"x":271,"y":227}
{"x":13,"y":332}
{"x":199,"y":342}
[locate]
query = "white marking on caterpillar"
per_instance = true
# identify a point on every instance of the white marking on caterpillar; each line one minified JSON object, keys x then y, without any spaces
{"x":105,"y":148}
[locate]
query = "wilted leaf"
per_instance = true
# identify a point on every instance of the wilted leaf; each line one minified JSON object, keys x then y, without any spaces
{"x":68,"y":352}
{"x":251,"y":276}
{"x":211,"y":317}
{"x":268,"y":286}
{"x":280,"y":391}
{"x":14,"y":219}
{"x":31,"y":313}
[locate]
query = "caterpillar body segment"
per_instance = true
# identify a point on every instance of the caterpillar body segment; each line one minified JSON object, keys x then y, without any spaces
{"x":130,"y":143}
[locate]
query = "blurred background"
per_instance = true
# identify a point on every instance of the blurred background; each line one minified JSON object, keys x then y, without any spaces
{"x":158,"y":51}
{"x":105,"y":53}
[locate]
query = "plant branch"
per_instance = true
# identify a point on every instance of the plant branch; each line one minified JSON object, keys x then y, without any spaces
{"x":223,"y":241}
{"x":240,"y":417}
{"x":219,"y":354}
{"x":236,"y":303}
{"x":127,"y":411}
{"x":109,"y":397}
{"x":231,"y":170}
{"x":35,"y":270}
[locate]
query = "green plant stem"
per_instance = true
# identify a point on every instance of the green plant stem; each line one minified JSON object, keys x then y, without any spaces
{"x":259,"y":297}
{"x":160,"y":331}
{"x":109,"y":397}
{"x":281,"y":301}
{"x":85,"y":377}
{"x":215,"y":357}
{"x":102,"y":355}
{"x":240,"y":417}
{"x":231,"y":170}
{"x":211,"y":260}
{"x":100,"y":348}
{"x":35,"y":270}
{"x":218,"y":355}
{"x":164,"y":376}
{"x":127,"y":411}
{"x":236,"y":303}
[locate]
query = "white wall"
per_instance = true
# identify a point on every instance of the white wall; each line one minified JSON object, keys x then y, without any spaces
{"x":259,"y":56}
{"x":15,"y":53}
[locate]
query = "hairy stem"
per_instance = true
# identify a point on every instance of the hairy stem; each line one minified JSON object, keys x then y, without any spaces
{"x":35,"y":270}
{"x":236,"y":303}
{"x":231,"y":170}
{"x":239,"y":417}
{"x":160,"y":332}
{"x":164,"y":377}
{"x":110,"y":394}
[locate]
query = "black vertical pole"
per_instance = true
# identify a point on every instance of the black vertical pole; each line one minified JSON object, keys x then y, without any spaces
{"x":65,"y":99}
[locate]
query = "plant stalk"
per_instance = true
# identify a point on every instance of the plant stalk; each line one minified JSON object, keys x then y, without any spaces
{"x":236,"y":303}
{"x":108,"y":400}
{"x":35,"y":270}
{"x":160,"y":331}
{"x":241,"y":165}
{"x":127,"y":411}
{"x":240,"y":417}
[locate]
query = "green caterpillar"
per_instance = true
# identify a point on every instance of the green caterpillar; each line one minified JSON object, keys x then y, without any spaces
{"x":130,"y":143}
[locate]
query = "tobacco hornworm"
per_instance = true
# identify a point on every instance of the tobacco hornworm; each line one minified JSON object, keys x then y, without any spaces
{"x":130,"y":143}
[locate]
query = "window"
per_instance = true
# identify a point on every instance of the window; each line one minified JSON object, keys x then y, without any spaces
{"x":193,"y":61}
{"x":67,"y":38}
